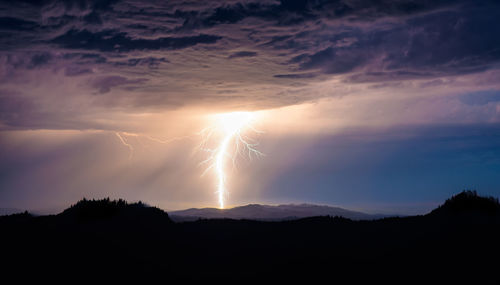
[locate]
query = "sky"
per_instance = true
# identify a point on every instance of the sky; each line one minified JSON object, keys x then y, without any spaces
{"x":386,"y":106}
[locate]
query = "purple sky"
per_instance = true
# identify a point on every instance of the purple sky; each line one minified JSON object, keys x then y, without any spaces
{"x":382,"y":106}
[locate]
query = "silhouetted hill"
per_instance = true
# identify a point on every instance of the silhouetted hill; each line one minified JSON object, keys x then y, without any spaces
{"x":16,"y":218}
{"x":95,"y":210}
{"x":269,"y":213}
{"x":468,"y":202}
{"x":113,"y":239}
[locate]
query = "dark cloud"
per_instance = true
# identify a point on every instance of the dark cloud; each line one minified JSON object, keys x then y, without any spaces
{"x":76,"y":70}
{"x":443,"y":34}
{"x":85,"y":58}
{"x":333,"y":61}
{"x":105,"y":83}
{"x":190,"y":47}
{"x":14,"y":24}
{"x":40,"y":59}
{"x":108,"y":40}
{"x":151,"y":62}
{"x":380,"y":76}
{"x":15,"y":64}
{"x":448,"y":41}
{"x":451,"y":42}
{"x":243,"y":54}
{"x":295,"y":75}
{"x":293,"y":12}
{"x":230,"y":14}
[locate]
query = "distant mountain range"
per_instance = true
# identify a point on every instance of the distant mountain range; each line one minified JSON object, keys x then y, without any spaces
{"x":269,"y":213}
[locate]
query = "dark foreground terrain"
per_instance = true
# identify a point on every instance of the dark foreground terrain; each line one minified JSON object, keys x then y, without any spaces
{"x":458,"y":242}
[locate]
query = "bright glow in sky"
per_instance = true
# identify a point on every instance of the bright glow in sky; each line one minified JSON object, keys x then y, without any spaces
{"x":234,"y":143}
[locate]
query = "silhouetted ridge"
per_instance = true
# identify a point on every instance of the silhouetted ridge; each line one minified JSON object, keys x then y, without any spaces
{"x":89,"y":210}
{"x":17,"y":217}
{"x":102,"y":239}
{"x":469,"y":202}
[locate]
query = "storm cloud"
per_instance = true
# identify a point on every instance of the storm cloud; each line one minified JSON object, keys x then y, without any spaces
{"x":177,"y":45}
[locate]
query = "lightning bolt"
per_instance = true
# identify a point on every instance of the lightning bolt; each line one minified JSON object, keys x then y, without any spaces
{"x":233,"y":127}
{"x":123,"y":139}
{"x":125,"y":143}
{"x":229,"y":131}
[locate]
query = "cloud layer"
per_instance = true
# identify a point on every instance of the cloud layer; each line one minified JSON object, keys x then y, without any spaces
{"x":160,"y":55}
